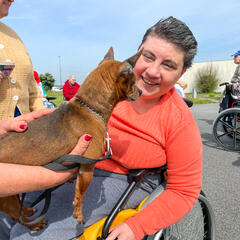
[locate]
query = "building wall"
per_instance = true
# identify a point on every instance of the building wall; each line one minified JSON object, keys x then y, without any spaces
{"x":225,"y":70}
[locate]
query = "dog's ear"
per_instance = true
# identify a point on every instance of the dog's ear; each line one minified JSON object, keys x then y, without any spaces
{"x":109,"y":55}
{"x":128,"y":65}
{"x":132,"y":60}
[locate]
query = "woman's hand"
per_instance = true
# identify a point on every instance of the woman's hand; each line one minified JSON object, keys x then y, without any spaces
{"x":121,"y":232}
{"x":2,"y":76}
{"x":16,"y":178}
{"x":19,"y":124}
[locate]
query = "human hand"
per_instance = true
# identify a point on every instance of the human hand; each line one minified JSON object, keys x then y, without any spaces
{"x":35,"y":178}
{"x":121,"y":232}
{"x":79,"y":149}
{"x":19,"y":124}
{"x":2,"y":76}
{"x":82,"y":145}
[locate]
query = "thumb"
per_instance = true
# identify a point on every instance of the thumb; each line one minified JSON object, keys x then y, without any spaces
{"x":82,"y":145}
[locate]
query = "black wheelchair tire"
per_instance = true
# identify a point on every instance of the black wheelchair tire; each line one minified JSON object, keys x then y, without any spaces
{"x":208,"y":225}
{"x":226,"y":129}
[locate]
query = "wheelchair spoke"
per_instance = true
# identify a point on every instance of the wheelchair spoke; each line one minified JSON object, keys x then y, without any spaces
{"x":226,"y":129}
{"x":225,"y":123}
{"x":191,"y":227}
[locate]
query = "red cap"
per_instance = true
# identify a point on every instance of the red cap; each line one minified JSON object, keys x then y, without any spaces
{"x":36,"y":77}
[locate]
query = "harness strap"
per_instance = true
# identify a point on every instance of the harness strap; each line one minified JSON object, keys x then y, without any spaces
{"x":56,"y":165}
{"x":47,"y":196}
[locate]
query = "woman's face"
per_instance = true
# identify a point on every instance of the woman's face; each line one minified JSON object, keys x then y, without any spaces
{"x":4,"y":7}
{"x":158,"y":68}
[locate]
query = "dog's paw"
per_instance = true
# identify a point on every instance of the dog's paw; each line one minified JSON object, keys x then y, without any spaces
{"x":37,"y":226}
{"x":77,"y":213}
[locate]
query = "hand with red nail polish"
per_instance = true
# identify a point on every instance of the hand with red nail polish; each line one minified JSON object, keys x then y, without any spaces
{"x":19,"y":124}
{"x":12,"y":125}
{"x":82,"y":145}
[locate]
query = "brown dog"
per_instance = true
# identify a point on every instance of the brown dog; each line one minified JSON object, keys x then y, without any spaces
{"x":55,"y":135}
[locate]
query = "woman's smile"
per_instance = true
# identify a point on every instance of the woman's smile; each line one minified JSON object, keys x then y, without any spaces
{"x":149,"y":82}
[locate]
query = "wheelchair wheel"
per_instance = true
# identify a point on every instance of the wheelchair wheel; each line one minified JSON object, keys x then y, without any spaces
{"x":226,"y":129}
{"x":198,"y":224}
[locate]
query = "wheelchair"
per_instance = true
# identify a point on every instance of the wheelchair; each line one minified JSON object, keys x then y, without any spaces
{"x":226,"y":127}
{"x":198,"y":224}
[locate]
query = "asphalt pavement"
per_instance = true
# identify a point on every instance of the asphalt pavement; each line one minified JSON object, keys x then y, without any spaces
{"x":221,"y":175}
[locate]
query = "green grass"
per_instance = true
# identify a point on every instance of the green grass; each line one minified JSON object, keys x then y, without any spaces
{"x":202,"y":98}
{"x":59,"y":97}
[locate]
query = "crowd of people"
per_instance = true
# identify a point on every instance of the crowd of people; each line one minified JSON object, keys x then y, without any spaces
{"x":152,"y":131}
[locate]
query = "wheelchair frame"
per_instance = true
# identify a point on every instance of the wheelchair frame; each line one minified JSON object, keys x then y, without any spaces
{"x":226,"y":127}
{"x":209,"y":226}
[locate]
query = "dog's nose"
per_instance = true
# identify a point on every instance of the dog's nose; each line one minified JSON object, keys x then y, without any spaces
{"x":139,"y":92}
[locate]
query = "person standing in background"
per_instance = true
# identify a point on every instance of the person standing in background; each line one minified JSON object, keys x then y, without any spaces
{"x":19,"y":93}
{"x":70,"y":88}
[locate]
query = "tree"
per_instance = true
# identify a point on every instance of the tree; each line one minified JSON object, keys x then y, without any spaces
{"x":47,"y":80}
{"x":207,"y":79}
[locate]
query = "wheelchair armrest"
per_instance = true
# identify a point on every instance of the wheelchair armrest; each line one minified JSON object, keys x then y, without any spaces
{"x":188,"y":102}
{"x":222,"y":84}
{"x":138,"y":174}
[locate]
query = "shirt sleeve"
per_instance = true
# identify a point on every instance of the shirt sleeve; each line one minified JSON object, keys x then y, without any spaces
{"x":184,"y":161}
{"x":236,"y":75}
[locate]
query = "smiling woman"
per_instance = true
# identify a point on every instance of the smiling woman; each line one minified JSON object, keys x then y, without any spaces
{"x":156,"y":129}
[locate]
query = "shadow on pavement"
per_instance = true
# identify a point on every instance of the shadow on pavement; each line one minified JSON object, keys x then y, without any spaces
{"x":209,"y":122}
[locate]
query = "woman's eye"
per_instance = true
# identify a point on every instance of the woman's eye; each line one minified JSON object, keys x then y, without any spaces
{"x":169,"y":65}
{"x":148,"y":57}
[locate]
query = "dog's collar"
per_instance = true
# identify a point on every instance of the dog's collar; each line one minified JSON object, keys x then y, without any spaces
{"x":91,"y":109}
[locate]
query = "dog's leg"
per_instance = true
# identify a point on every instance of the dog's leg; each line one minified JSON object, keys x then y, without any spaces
{"x":84,"y":179}
{"x":11,"y":206}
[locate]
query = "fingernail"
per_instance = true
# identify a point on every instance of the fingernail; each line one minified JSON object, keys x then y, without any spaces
{"x":22,"y":126}
{"x":88,"y":138}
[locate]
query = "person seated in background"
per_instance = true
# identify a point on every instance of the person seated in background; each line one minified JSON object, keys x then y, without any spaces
{"x":236,"y":75}
{"x":225,"y":96}
{"x":70,"y":88}
{"x":180,"y":86}
{"x":46,"y":103}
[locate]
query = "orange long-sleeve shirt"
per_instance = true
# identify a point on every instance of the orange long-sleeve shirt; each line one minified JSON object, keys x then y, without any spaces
{"x":167,"y":133}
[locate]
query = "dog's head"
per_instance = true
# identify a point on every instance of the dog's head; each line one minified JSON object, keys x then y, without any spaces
{"x":120,"y":75}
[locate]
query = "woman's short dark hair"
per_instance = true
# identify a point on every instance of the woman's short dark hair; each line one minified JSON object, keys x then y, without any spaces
{"x":176,"y":32}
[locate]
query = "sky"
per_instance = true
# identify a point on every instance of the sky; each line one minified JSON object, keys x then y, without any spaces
{"x":65,"y":37}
